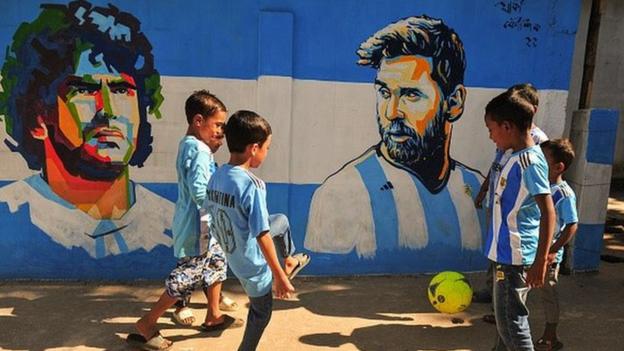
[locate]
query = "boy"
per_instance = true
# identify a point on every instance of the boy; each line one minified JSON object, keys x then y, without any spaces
{"x":522,"y":219}
{"x":293,"y":264}
{"x":559,"y":155}
{"x":528,"y":92}
{"x":200,"y":263}
{"x":236,"y":200}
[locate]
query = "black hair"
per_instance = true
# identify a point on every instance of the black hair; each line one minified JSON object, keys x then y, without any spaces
{"x":511,"y":107}
{"x":244,"y":128}
{"x":44,"y":53}
{"x":526,"y":91}
{"x":204,"y":103}
{"x":561,"y":150}
{"x":424,"y":36}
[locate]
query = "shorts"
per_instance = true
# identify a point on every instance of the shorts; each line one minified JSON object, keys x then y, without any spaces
{"x":195,"y":272}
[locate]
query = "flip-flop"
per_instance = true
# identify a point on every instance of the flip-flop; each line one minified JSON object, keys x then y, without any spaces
{"x":548,"y":345}
{"x":155,"y":343}
{"x":302,"y":261}
{"x":229,"y":322}
{"x":227,"y":304}
{"x":182,"y":314}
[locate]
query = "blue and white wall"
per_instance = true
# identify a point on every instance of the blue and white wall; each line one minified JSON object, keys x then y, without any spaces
{"x":294,"y":62}
{"x":593,"y":134}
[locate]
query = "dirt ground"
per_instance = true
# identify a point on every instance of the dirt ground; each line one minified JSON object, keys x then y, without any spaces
{"x":356,"y":313}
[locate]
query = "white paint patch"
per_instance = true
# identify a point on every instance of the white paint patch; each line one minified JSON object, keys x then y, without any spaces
{"x":318,"y":126}
{"x":144,"y":226}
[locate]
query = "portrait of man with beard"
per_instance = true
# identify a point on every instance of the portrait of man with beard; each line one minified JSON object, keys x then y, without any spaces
{"x":78,"y":85}
{"x":405,"y":192}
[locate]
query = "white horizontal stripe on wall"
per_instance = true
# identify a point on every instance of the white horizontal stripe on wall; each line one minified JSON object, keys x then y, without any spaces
{"x":317,"y":126}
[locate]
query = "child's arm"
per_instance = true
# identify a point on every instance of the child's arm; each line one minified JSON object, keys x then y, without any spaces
{"x":198,"y":176}
{"x":566,"y":235}
{"x":482,"y":191}
{"x":283,"y":288}
{"x":537,"y":272}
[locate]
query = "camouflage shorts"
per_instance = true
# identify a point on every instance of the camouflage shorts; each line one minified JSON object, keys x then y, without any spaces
{"x":197,"y":272}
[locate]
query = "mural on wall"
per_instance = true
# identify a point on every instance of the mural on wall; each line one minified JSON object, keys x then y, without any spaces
{"x":78,"y":84}
{"x":406,"y":191}
{"x":87,"y":166}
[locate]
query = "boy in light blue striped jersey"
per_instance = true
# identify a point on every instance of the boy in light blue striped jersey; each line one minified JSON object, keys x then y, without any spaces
{"x":522,"y":220}
{"x":559,"y":155}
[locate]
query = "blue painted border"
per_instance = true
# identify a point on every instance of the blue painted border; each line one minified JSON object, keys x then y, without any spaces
{"x":221,"y":38}
{"x":603,"y":125}
{"x":588,"y":246}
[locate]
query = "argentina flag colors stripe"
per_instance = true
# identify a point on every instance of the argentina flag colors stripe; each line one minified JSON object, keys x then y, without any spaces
{"x":385,"y":221}
{"x":504,"y":227}
{"x":295,"y":63}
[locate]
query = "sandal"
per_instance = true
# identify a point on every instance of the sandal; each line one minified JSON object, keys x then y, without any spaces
{"x":227,"y":304}
{"x":183,"y":315}
{"x":229,"y":322}
{"x":155,"y":343}
{"x":548,"y":345}
{"x":302,"y":261}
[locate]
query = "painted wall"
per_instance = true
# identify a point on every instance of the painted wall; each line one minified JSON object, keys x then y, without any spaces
{"x":608,"y":85}
{"x":296,"y":63}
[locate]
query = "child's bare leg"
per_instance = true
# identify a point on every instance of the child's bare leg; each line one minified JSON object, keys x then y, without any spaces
{"x":146,"y":326}
{"x":213,"y":313}
{"x":550,"y":332}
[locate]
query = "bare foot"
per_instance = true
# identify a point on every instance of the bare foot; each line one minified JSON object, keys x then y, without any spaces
{"x":184,"y":316}
{"x":289,"y":264}
{"x":214,"y":320}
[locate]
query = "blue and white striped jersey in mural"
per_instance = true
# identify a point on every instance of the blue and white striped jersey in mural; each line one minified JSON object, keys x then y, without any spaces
{"x":45,"y":232}
{"x":565,"y":206}
{"x":514,"y":229}
{"x":371,"y":205}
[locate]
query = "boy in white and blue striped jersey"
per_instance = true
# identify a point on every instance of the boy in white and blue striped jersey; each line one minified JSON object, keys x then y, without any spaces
{"x":530,"y":94}
{"x":523,"y":217}
{"x":559,"y":155}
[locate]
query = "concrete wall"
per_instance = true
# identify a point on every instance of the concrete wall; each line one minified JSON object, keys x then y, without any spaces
{"x":295,"y":63}
{"x":608,"y":87}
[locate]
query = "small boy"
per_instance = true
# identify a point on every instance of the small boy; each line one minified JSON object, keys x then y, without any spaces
{"x":559,"y":155}
{"x":522,"y":219}
{"x":528,"y":92}
{"x":236,"y":200}
{"x":200,"y":263}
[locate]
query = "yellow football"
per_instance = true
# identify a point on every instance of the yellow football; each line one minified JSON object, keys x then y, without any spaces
{"x":450,"y":292}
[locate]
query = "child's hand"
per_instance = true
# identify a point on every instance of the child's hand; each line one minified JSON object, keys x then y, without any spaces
{"x":282,"y":288}
{"x":551,"y":258}
{"x":536,"y":274}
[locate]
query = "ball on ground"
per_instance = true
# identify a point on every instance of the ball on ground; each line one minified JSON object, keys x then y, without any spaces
{"x":450,"y":292}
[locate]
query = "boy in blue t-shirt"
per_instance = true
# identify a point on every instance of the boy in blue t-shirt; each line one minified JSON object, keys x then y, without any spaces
{"x":559,"y":155}
{"x":522,"y":218}
{"x":236,"y":200}
{"x":201,"y":263}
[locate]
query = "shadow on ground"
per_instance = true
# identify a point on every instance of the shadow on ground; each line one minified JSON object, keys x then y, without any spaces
{"x":397,"y":337}
{"x":352,"y":297}
{"x":74,"y":316}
